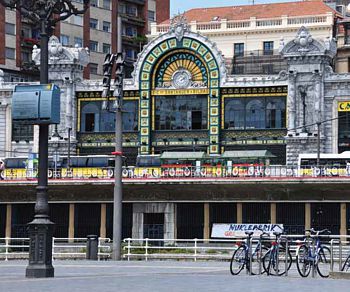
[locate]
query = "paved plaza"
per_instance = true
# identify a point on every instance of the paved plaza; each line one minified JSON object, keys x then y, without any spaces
{"x":155,"y":276}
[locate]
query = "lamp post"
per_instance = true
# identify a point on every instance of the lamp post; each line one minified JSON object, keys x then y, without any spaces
{"x":45,"y":13}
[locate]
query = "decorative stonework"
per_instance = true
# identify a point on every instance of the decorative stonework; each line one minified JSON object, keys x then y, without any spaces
{"x":63,"y":55}
{"x":305,"y":44}
{"x":179,"y":26}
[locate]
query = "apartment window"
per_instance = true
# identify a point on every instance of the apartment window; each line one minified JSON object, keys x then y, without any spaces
{"x":26,"y":32}
{"x":130,"y":53}
{"x":64,"y":40}
{"x":107,"y":4}
{"x":106,"y":26}
{"x":239,"y":50}
{"x":106,"y":48}
{"x":131,"y":10}
{"x":268,"y":48}
{"x":10,"y":53}
{"x":94,"y":3}
{"x":10,"y":28}
{"x":78,"y":20}
{"x":25,"y":57}
{"x":93,"y":46}
{"x":78,"y":41}
{"x":93,"y":23}
{"x":151,"y":15}
{"x":93,"y":68}
{"x":130,"y":31}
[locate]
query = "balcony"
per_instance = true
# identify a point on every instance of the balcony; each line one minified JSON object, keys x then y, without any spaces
{"x":138,"y":2}
{"x":252,"y":24}
{"x":132,"y":19}
{"x":258,"y":62}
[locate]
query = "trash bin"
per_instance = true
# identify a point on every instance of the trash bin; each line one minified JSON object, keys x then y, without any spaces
{"x":92,"y":247}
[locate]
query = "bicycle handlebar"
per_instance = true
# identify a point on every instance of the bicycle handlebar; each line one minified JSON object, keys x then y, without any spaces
{"x":318,"y":232}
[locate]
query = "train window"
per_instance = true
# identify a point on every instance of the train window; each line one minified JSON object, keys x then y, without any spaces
{"x":15,"y":163}
{"x":98,"y":162}
{"x":152,"y":160}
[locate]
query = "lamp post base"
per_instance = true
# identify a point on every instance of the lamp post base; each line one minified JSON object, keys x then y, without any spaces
{"x":40,"y":249}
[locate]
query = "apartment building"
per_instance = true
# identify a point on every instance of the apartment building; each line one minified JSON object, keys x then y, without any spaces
{"x":97,"y":30}
{"x":249,"y":36}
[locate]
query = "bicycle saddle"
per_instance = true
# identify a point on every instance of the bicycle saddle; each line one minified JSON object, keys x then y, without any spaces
{"x":277,"y":233}
{"x":249,"y":232}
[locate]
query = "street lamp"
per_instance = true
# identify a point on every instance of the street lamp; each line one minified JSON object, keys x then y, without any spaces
{"x":45,"y":13}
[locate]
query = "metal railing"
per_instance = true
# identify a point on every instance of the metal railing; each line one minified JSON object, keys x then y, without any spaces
{"x":178,"y":172}
{"x":223,"y":249}
{"x":62,"y":248}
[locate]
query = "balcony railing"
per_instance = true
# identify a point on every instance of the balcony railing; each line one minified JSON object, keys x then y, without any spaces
{"x":175,"y":172}
{"x":252,"y":24}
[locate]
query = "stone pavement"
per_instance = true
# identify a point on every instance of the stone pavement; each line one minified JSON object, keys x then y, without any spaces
{"x":166,"y":276}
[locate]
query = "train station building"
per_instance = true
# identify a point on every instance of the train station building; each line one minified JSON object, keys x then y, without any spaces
{"x":258,"y":82}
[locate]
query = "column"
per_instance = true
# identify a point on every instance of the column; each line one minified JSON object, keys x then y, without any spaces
{"x":206,"y":230}
{"x":103,"y":220}
{"x":71,"y":221}
{"x":307,"y":215}
{"x":239,"y":213}
{"x":8,"y":220}
{"x":343,"y":227}
{"x":291,"y":103}
{"x":273,"y":213}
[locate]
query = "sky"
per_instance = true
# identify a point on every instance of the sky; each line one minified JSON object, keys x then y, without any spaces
{"x":183,"y":5}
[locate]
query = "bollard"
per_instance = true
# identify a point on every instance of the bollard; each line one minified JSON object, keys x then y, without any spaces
{"x":92,"y":247}
{"x":129,"y":239}
{"x":146,"y":249}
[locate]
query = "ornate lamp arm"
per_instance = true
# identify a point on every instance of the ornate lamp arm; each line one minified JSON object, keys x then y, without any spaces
{"x":65,"y":8}
{"x":35,"y":9}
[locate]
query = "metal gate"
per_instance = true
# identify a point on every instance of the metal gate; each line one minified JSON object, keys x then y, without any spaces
{"x":153,"y":226}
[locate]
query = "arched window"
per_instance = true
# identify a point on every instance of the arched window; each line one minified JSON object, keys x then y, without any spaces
{"x":255,"y":113}
{"x":90,"y":117}
{"x":275,"y":113}
{"x":234,"y":114}
{"x":130,"y":116}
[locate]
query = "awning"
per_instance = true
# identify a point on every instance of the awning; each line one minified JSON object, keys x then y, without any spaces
{"x":183,"y":155}
{"x":250,"y":154}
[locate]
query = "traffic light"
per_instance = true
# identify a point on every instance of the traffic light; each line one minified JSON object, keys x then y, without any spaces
{"x":107,"y":76}
{"x":118,"y":81}
{"x":119,"y":70}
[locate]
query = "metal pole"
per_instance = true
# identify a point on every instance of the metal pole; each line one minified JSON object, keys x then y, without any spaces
{"x":318,"y":143}
{"x":41,"y":228}
{"x":69,"y":132}
{"x":118,"y":195}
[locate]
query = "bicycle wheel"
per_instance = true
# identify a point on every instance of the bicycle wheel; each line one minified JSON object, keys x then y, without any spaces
{"x":346,"y":265}
{"x":274,"y":267}
{"x":324,"y":262}
{"x":238,"y":260}
{"x":303,"y":262}
{"x":257,"y":260}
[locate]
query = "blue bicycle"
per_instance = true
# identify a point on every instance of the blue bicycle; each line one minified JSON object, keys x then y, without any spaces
{"x":315,"y":256}
{"x":241,"y":256}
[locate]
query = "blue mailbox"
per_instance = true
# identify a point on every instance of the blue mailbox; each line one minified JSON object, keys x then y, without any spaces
{"x":36,"y":104}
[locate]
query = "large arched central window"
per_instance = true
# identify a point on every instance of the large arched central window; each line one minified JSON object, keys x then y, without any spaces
{"x":181,"y":112}
{"x":255,"y":113}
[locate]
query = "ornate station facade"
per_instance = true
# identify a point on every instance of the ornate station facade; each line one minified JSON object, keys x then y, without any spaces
{"x":182,"y":98}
